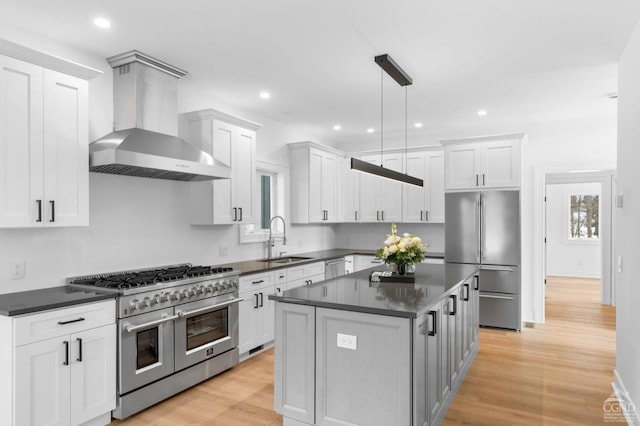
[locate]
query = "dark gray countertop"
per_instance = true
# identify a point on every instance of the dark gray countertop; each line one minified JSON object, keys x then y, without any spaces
{"x":255,"y":266}
{"x":354,"y":292}
{"x":26,"y":302}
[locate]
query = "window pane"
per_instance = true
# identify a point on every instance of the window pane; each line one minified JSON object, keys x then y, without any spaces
{"x":584,"y":217}
{"x":265,"y":201}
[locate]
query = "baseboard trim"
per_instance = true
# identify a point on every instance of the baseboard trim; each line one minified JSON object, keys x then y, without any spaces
{"x":624,"y":400}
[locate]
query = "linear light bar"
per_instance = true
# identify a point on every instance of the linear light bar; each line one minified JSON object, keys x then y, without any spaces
{"x":363,"y":166}
{"x":393,"y":69}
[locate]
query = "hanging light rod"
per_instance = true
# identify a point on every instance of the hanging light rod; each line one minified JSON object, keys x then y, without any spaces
{"x":390,"y":67}
{"x":363,"y":166}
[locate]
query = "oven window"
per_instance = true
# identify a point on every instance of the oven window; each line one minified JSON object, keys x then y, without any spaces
{"x":147,"y":346}
{"x":206,"y":328}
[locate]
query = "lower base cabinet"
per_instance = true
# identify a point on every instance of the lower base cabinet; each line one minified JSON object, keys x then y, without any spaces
{"x":68,"y":378}
{"x":338,"y":367}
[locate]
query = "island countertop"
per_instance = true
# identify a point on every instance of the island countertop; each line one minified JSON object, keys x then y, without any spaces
{"x":355,"y":292}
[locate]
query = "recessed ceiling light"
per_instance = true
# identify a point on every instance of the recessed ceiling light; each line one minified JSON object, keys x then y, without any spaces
{"x":102,"y":23}
{"x":417,"y":125}
{"x":370,"y":130}
{"x":265,"y":95}
{"x":337,"y":127}
{"x":482,"y":112}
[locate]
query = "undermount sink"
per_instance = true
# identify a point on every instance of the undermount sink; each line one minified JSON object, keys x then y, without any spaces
{"x":287,"y":259}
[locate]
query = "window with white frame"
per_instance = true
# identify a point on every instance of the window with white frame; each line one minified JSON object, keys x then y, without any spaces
{"x":584,"y":217}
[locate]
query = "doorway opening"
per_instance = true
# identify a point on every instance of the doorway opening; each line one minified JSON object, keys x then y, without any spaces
{"x":578,"y":230}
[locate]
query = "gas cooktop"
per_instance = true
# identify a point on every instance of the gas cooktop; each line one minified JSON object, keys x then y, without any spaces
{"x":160,"y":277}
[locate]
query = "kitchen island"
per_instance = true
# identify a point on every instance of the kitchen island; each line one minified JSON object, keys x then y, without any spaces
{"x":351,"y":351}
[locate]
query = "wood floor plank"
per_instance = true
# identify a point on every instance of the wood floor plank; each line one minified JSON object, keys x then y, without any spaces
{"x":558,"y":373}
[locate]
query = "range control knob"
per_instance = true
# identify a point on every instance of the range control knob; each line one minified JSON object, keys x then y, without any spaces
{"x":199,"y":289}
{"x":156,"y":299}
{"x":233,"y":284}
{"x":145,"y":302}
{"x":175,"y":295}
{"x":134,"y":304}
{"x":217,"y":287}
{"x":209,"y":288}
{"x":224,"y":285}
{"x":184,"y":294}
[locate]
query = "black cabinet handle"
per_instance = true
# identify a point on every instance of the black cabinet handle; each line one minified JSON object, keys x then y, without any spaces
{"x":261,"y":300}
{"x":235,"y":214}
{"x":420,"y":215}
{"x":53,"y":211}
{"x":455,"y":305}
{"x":70,"y":321}
{"x":257,"y":282}
{"x":476,"y":285}
{"x":240,"y":208}
{"x":79,"y":359}
{"x":356,"y":212}
{"x":483,"y":179}
{"x":476,"y":180}
{"x":278,"y":290}
{"x":382,"y":215}
{"x":465,"y":292}
{"x":256,"y":306}
{"x":39,"y":210}
{"x":377,"y":214}
{"x":434,"y":323}
{"x":66,"y":353}
{"x":426,"y":215}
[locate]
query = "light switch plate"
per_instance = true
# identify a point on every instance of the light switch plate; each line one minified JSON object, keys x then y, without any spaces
{"x":347,"y":341}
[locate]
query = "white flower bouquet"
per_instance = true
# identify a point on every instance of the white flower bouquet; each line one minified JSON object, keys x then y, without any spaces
{"x":407,"y":249}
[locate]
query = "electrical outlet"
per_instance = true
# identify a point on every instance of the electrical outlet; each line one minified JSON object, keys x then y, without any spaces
{"x":347,"y":341}
{"x":223,"y":251}
{"x":16,"y":269}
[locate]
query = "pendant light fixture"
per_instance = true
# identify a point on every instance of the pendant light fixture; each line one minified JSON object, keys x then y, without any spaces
{"x":402,"y":78}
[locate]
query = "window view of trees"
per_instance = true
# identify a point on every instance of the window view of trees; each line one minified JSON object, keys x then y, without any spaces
{"x":585,"y":217}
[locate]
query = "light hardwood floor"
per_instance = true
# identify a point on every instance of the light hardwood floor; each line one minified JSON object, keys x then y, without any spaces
{"x":558,"y":373}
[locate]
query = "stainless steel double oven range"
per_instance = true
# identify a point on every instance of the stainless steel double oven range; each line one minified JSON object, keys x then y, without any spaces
{"x":177,"y":326}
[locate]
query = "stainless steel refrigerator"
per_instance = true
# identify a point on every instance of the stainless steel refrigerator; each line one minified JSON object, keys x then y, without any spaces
{"x":483,"y":228}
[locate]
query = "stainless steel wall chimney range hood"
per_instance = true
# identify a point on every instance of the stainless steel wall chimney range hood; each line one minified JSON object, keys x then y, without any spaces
{"x":145,"y":124}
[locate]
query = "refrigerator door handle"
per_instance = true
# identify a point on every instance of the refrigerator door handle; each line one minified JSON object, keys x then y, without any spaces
{"x":483,"y":222}
{"x":479,"y":225}
{"x":496,"y":268}
{"x":494,"y":296}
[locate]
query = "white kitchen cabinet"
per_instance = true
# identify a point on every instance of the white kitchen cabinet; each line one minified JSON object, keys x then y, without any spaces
{"x":381,"y":198}
{"x":256,"y":310}
{"x":316,"y":182}
{"x":43,"y":147}
{"x":424,"y":204}
{"x":298,"y":276}
{"x":483,"y":163}
{"x":231,"y":141}
{"x":67,"y":378}
{"x":351,"y":194}
{"x":365,"y":261}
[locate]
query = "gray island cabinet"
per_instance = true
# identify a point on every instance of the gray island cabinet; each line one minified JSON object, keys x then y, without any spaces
{"x":354,"y":352}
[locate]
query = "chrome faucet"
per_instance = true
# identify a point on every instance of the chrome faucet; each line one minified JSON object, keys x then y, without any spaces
{"x":272,"y":240}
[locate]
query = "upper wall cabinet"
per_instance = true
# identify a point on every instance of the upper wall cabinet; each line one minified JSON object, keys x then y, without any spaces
{"x":232,"y":142}
{"x":381,"y":198}
{"x":490,"y":162}
{"x":424,"y":204}
{"x":44,"y":178}
{"x":351,"y":193}
{"x":316,"y":181}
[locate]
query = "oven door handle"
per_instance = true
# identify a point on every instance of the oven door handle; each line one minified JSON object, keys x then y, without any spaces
{"x":132,"y":328}
{"x":208,"y":308}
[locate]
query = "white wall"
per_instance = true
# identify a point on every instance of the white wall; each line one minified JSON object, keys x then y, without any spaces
{"x":565,"y":257}
{"x":138,"y":222}
{"x":627,"y":233}
{"x":372,"y":235}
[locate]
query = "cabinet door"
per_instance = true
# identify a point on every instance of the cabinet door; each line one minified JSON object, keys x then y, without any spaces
{"x":222,"y":150}
{"x":391,"y":196}
{"x":434,"y":187}
{"x":414,"y":196}
{"x":248,"y":315}
{"x":434,"y":363}
{"x":462,"y":166}
{"x":93,"y":373}
{"x":453,"y":330}
{"x":501,"y":164}
{"x":351,"y":194}
{"x":370,"y":193}
{"x":42,"y":396}
{"x":316,"y":213}
{"x":265,"y":317}
{"x":66,"y":155}
{"x":329,"y":187}
{"x":21,"y":155}
{"x":244,"y":175}
{"x":445,"y":375}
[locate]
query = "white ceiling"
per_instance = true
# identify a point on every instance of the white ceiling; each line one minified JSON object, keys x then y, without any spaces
{"x":523,"y":61}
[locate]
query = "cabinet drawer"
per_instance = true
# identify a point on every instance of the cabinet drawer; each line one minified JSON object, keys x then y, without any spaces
{"x":31,"y":328}
{"x":281,"y":276}
{"x":255,"y":281}
{"x":500,"y":310}
{"x":302,"y":271}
